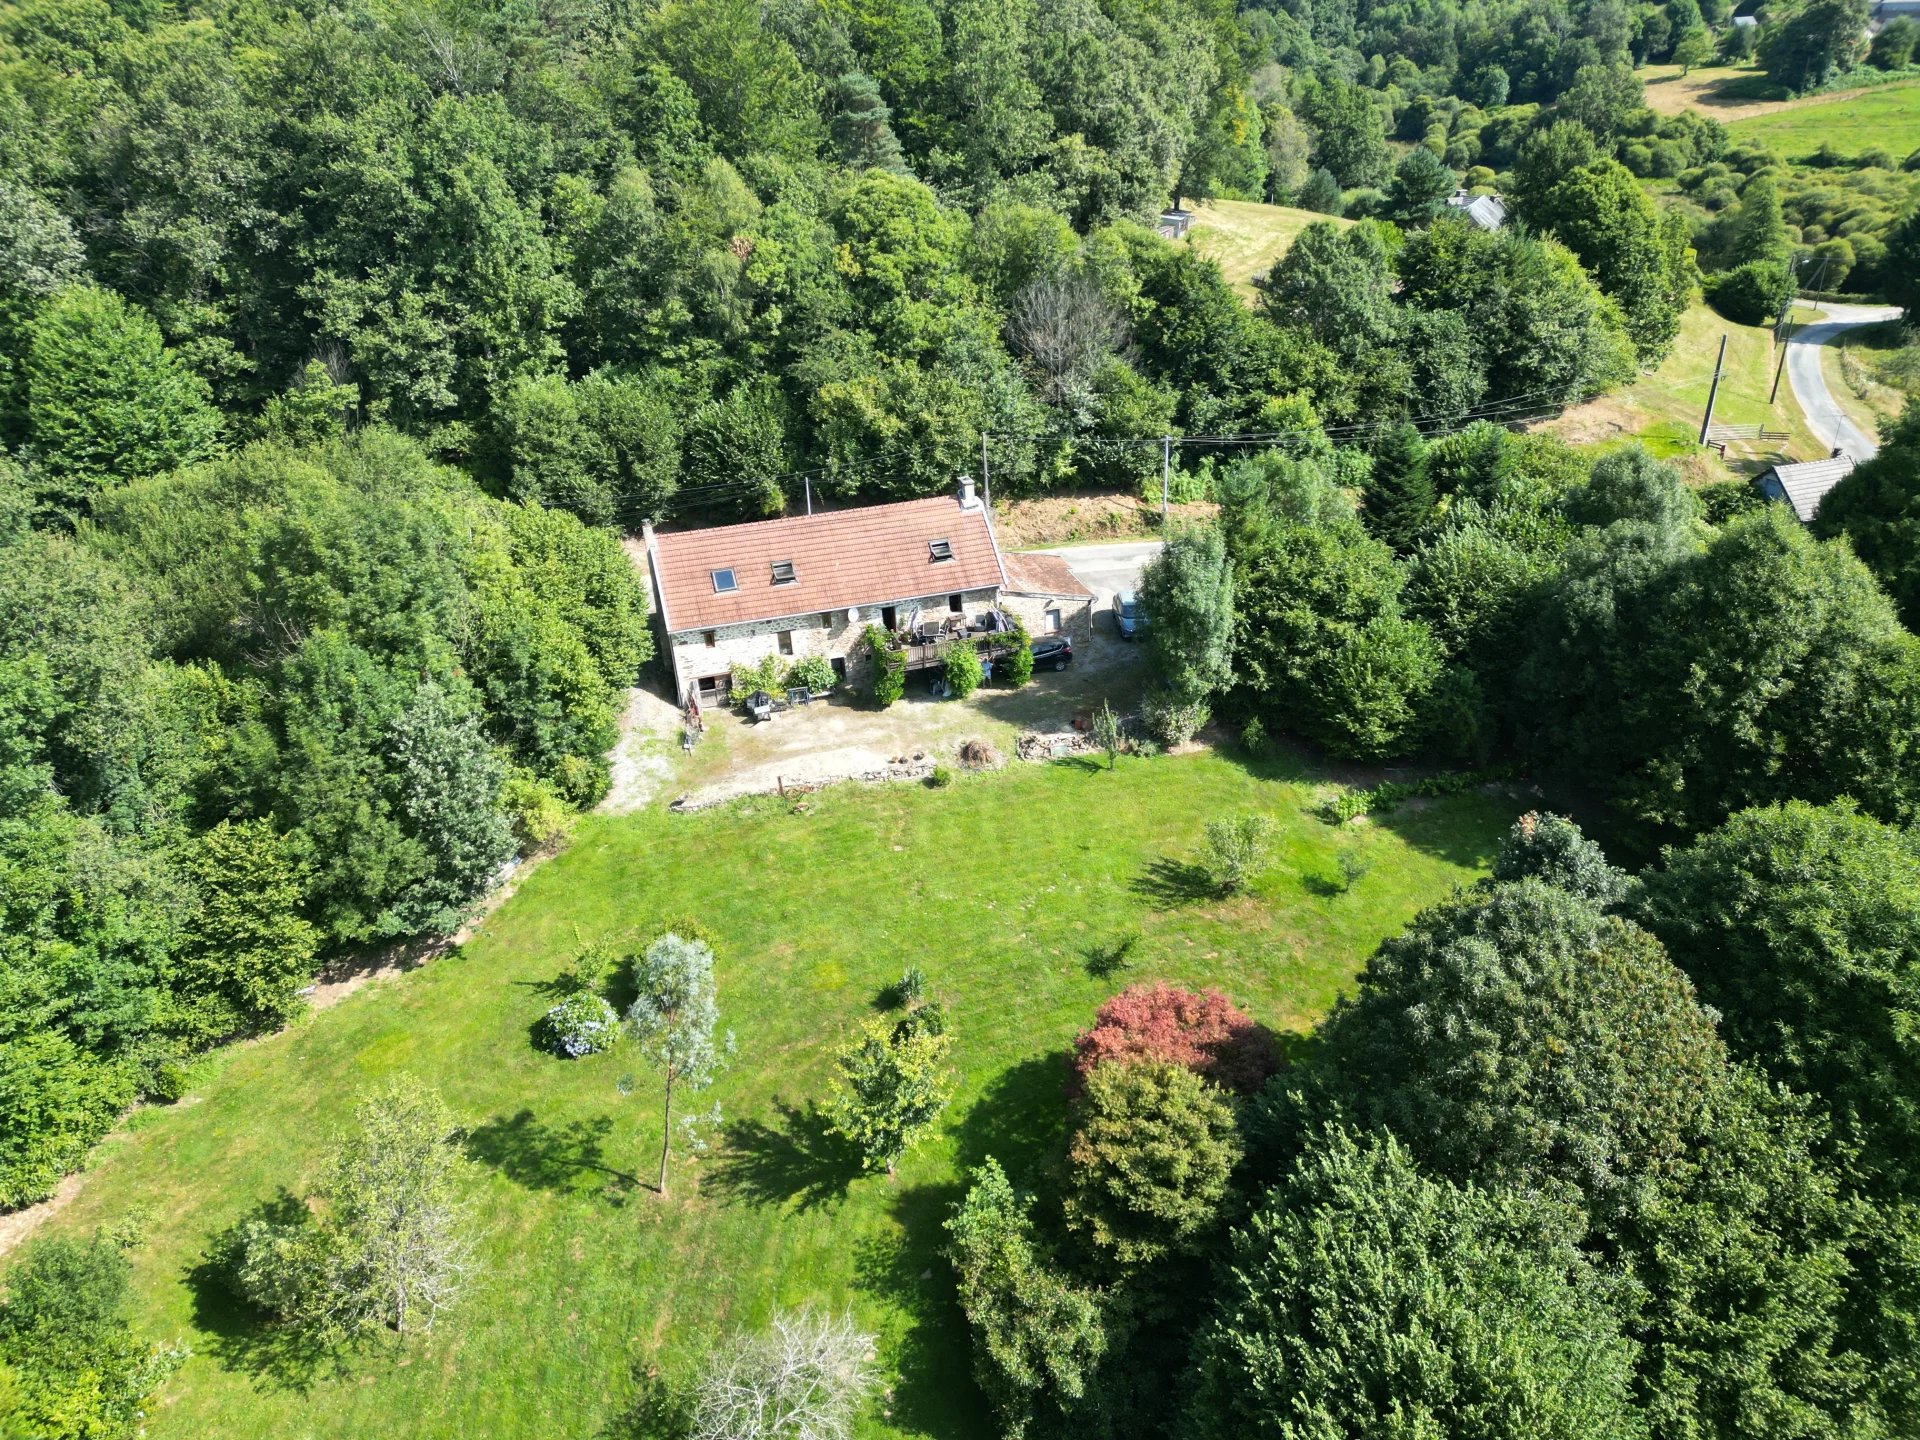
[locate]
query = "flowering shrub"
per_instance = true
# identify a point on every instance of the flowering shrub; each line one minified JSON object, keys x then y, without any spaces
{"x":581,"y":1024}
{"x":1205,"y":1032}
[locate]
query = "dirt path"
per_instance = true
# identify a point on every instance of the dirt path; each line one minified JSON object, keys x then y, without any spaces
{"x":19,"y":1225}
{"x":643,"y":758}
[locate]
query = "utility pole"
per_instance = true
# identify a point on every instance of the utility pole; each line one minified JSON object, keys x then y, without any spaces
{"x":807,"y":480}
{"x":1780,"y":325}
{"x":986,"y":481}
{"x":1166,"y":472}
{"x":1783,"y":333}
{"x":1706,"y":420}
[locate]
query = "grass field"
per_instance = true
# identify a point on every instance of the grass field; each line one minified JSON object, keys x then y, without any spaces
{"x":1663,"y":409}
{"x":590,"y":1281}
{"x":1753,"y":108}
{"x":1855,"y":371}
{"x":1886,"y":117}
{"x":1725,"y":92}
{"x":1247,"y":238}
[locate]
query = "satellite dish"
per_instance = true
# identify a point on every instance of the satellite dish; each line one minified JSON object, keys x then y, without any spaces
{"x":853,"y":614}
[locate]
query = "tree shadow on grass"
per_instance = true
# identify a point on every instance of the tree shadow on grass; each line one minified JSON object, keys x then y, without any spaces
{"x":657,"y":1411}
{"x":1019,"y":1120}
{"x":240,"y":1337}
{"x":568,"y":1158}
{"x":1167,"y":883}
{"x":555,"y":988}
{"x":1104,"y":961}
{"x":934,"y":1393}
{"x":799,"y":1159}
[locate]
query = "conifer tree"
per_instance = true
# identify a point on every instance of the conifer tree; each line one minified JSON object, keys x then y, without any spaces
{"x":1400,"y":497}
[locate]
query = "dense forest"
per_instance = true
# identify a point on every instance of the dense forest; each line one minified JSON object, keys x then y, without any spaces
{"x":339,"y":343}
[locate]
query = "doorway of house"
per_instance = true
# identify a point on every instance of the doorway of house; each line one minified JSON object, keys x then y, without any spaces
{"x":714,"y":689}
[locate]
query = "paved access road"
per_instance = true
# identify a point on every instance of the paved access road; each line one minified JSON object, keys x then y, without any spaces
{"x":1825,"y":418}
{"x":1103,"y":569}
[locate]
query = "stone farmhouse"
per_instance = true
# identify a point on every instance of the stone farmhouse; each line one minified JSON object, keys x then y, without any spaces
{"x":809,"y":585}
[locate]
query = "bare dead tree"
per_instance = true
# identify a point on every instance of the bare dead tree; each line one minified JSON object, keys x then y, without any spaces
{"x":1066,"y":327}
{"x":802,"y":1378}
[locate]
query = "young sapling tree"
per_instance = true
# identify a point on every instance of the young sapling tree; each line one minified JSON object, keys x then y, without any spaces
{"x":674,"y":1019}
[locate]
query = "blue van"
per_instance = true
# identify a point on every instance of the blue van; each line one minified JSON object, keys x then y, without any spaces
{"x":1128,"y":616}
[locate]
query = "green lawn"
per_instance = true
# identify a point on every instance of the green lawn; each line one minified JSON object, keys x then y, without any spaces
{"x":1001,"y":887}
{"x":1885,"y":117}
{"x":1248,"y":238}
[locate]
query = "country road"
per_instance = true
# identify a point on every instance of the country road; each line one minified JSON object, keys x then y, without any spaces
{"x":1825,"y":418}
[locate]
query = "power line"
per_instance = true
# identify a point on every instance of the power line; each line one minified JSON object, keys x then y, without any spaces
{"x":1510,"y":409}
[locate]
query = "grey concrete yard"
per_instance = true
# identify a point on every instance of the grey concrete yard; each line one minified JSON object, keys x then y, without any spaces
{"x":844,"y":736}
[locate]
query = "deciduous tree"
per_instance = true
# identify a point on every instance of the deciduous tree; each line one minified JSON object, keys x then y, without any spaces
{"x":894,"y":1083}
{"x":1152,"y":1152}
{"x":805,"y":1377}
{"x":393,"y":1245}
{"x":1367,"y":1297}
{"x":1811,"y":45}
{"x":1801,"y":926}
{"x":1188,"y":592}
{"x":106,"y":401}
{"x":1204,"y":1031}
{"x":1037,"y":1337}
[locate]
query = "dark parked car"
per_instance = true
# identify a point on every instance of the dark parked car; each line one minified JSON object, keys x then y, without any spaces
{"x":1128,"y":616}
{"x":1052,"y":652}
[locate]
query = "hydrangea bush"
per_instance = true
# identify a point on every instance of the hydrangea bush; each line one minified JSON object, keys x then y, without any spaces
{"x":581,"y":1024}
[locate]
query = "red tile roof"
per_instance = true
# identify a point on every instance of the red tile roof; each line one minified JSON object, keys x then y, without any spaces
{"x":870,"y":556}
{"x":1036,"y":574}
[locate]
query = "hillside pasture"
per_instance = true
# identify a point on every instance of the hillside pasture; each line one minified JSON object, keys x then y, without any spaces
{"x":1886,"y":117}
{"x":1662,"y":408}
{"x":1248,"y":239}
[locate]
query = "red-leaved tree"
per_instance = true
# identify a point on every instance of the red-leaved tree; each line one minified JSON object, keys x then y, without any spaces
{"x":1205,"y":1032}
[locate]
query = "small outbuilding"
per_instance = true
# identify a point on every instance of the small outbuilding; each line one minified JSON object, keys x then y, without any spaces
{"x":1488,"y":212}
{"x":1174,"y":224}
{"x":1043,"y":594}
{"x":1803,"y":486}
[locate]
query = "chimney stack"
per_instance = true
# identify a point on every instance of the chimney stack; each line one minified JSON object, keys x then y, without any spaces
{"x":967,"y":500}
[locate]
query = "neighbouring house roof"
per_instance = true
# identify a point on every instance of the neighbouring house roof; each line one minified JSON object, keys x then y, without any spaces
{"x":1489,"y":212}
{"x":1046,"y":575}
{"x":1745,"y":20}
{"x":871,"y":556}
{"x":1805,"y":485}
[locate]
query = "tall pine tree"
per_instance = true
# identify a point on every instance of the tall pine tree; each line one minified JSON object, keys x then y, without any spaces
{"x":1400,"y":499}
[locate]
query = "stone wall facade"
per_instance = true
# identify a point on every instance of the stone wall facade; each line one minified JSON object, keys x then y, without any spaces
{"x":1076,"y":614}
{"x":699,"y":655}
